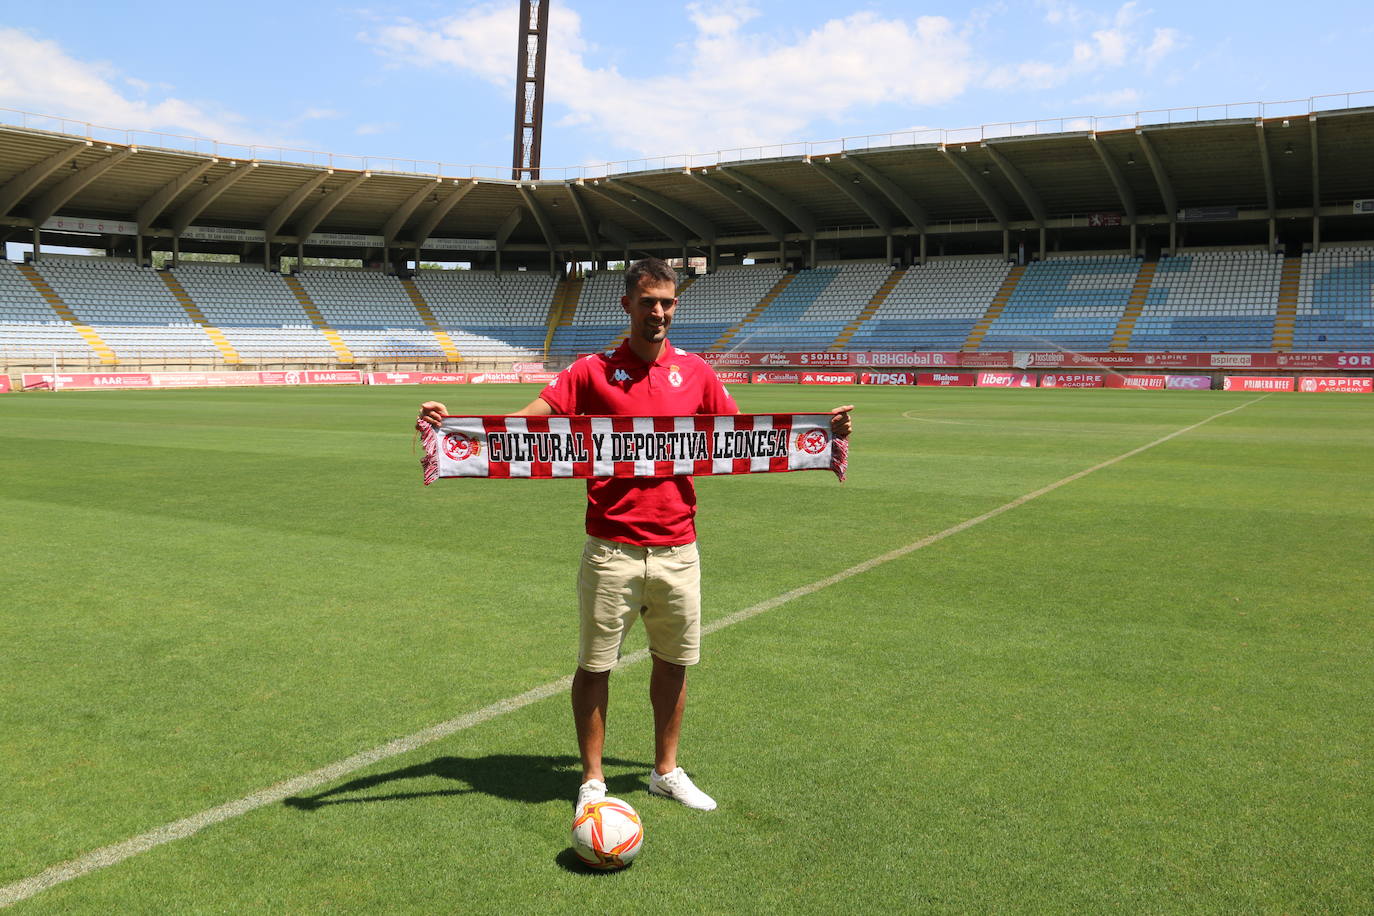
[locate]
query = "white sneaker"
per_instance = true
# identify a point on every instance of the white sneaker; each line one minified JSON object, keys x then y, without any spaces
{"x":678,"y":785}
{"x":590,"y":791}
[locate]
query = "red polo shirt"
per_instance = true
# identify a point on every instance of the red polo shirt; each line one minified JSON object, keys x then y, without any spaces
{"x":645,"y":511}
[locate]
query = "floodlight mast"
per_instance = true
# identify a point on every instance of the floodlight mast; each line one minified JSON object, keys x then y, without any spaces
{"x":531,"y":43}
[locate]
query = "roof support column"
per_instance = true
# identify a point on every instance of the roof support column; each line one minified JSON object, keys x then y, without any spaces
{"x":1166,"y":187}
{"x":923,"y":247}
{"x":1316,"y":188}
{"x":1268,"y":173}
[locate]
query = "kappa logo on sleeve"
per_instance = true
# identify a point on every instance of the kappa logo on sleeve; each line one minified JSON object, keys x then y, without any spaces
{"x":460,"y":447}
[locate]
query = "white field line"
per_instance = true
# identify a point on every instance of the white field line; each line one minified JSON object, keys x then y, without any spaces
{"x":118,"y":852}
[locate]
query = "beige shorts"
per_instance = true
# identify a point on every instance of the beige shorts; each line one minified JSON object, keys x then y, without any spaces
{"x":618,"y":582}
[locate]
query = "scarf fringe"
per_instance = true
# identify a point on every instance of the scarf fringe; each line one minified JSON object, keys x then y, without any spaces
{"x":839,"y":457}
{"x":429,"y":442}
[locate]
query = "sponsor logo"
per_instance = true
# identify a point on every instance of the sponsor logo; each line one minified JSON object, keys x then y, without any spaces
{"x":813,"y":441}
{"x":827,"y":378}
{"x":887,"y":378}
{"x":620,"y":375}
{"x":1231,"y":360}
{"x":460,"y":447}
{"x":1338,"y":384}
{"x":1363,"y":361}
{"x":823,"y":359}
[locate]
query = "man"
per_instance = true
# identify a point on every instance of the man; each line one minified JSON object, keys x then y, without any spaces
{"x":641,"y":555}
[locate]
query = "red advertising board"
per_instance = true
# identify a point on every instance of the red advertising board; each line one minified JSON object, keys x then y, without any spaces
{"x":1151,"y":382}
{"x":106,"y":380}
{"x":4,"y":384}
{"x":729,"y":359}
{"x":732,"y":376}
{"x":416,"y":378}
{"x":887,"y":378}
{"x":946,"y":379}
{"x":1257,"y":383}
{"x":1342,"y":384}
{"x":776,"y":378}
{"x":493,"y":378}
{"x":1071,"y":380}
{"x":1006,"y":380}
{"x":985,"y":360}
{"x":821,"y":359}
{"x":921,"y":359}
{"x":829,"y":378}
{"x":538,"y":378}
{"x":527,"y":367}
{"x":336,"y":377}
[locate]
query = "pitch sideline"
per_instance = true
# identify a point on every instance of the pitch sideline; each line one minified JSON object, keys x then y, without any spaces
{"x":118,"y":852}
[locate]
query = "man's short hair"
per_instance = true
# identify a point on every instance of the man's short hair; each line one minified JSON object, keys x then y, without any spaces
{"x":649,"y":270}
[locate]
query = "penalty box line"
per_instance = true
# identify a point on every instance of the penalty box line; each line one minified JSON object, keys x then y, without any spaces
{"x":177,"y":830}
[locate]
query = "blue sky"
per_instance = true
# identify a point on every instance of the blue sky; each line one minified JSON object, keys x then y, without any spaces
{"x":628,"y":80}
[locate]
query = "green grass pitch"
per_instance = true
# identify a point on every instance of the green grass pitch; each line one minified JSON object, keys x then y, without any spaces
{"x":1150,"y":690}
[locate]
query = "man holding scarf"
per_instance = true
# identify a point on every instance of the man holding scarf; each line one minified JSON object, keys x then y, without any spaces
{"x":641,"y":555}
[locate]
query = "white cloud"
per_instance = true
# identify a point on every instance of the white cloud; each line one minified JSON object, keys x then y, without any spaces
{"x":39,"y":76}
{"x":367,"y":130}
{"x":733,"y":88}
{"x":1108,"y":43}
{"x":1121,"y":100}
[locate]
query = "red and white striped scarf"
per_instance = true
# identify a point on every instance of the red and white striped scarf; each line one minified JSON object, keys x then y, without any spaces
{"x":581,"y":446}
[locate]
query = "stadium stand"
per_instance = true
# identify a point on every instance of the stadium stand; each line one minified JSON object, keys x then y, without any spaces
{"x":1336,"y":300}
{"x":1070,"y":302}
{"x":934,"y":306}
{"x":598,"y":320}
{"x":371,"y":312}
{"x":1211,"y":300}
{"x":716,"y":302}
{"x":810,"y":313}
{"x":128,"y":306}
{"x":29,"y":328}
{"x":490,"y":315}
{"x":254,"y":309}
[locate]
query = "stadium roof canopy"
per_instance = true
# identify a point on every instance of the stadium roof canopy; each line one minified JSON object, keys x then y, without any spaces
{"x":1253,"y":179}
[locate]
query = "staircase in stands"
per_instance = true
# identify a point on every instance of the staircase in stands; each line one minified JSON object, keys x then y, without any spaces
{"x":783,"y":282}
{"x":222,"y":344}
{"x":312,"y":312}
{"x":1121,"y":339}
{"x":427,"y":316}
{"x":1287,"y":312}
{"x":88,"y":334}
{"x":563,"y":309}
{"x":999,"y":302}
{"x":879,"y":297}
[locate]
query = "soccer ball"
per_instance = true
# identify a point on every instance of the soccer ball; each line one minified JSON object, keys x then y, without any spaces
{"x":607,"y":834}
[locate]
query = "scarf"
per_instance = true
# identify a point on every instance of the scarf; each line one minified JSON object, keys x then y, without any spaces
{"x":582,"y":446}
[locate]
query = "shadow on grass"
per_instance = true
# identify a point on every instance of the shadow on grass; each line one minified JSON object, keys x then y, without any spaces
{"x":525,"y":778}
{"x":568,"y":861}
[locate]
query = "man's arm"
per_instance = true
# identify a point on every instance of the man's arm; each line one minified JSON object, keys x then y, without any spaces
{"x":432,"y":412}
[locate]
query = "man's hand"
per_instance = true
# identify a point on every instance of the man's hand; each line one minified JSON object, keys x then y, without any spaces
{"x":840,"y":424}
{"x":432,"y":412}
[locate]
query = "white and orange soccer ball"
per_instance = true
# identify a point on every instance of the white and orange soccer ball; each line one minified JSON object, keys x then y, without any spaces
{"x":607,"y":834}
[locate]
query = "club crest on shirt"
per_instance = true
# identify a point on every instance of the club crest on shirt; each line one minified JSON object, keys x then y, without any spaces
{"x":675,"y":376}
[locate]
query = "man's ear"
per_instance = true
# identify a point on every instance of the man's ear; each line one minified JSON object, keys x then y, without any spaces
{"x":625,"y":304}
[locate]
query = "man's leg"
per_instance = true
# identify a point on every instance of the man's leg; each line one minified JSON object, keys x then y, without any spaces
{"x":668,"y":695}
{"x":590,"y":698}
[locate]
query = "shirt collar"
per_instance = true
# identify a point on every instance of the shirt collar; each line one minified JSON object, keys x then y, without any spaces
{"x":623,"y":354}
